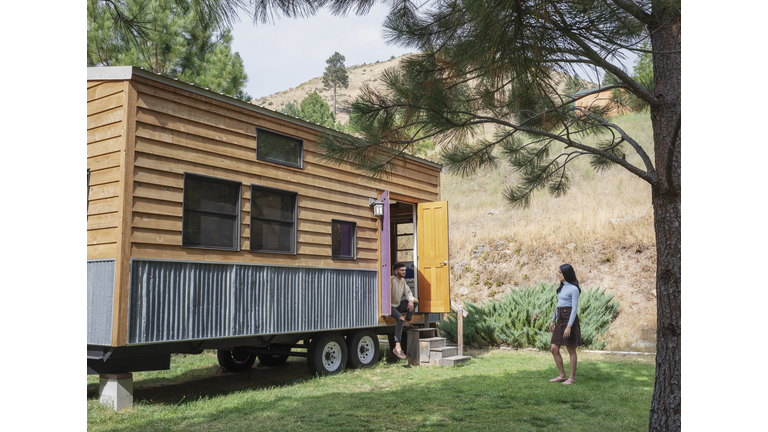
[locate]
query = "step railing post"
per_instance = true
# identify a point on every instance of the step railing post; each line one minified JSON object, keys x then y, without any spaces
{"x":461,"y":333}
{"x":460,"y":313}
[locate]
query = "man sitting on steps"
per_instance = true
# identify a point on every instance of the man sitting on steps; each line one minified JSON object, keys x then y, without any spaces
{"x":402,"y":300}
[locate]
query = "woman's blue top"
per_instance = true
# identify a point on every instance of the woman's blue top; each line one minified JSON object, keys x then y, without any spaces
{"x":569,"y":296}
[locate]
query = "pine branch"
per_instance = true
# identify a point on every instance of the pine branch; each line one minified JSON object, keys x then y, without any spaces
{"x":635,"y":10}
{"x":588,"y":52}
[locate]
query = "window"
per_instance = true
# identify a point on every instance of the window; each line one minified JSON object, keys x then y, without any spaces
{"x":273,"y":220}
{"x":343,"y":239}
{"x":211,"y":217}
{"x":404,"y":233}
{"x":278,"y":148}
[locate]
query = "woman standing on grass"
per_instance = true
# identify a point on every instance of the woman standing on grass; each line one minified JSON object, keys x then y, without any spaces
{"x":565,"y":323}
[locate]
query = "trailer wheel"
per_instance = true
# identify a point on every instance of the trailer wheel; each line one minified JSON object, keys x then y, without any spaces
{"x":327,"y":354}
{"x":272,"y":360}
{"x":363,"y":349}
{"x":237,"y":360}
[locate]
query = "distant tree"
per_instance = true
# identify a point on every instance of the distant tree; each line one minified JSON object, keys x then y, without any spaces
{"x":573,"y":84}
{"x":292,"y":110}
{"x":335,"y":75}
{"x":643,"y":74}
{"x":314,"y":109}
{"x":176,"y":43}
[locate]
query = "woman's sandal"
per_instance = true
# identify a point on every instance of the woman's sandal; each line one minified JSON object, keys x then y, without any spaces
{"x":558,"y":379}
{"x":569,"y":382}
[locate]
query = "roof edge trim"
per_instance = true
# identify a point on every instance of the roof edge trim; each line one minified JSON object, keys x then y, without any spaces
{"x":110,"y":73}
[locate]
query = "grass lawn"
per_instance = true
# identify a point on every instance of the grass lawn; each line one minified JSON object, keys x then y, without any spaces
{"x":496,"y":390}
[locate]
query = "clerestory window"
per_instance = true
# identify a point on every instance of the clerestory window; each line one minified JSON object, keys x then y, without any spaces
{"x":277,"y":148}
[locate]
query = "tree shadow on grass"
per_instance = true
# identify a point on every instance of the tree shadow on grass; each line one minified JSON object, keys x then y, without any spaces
{"x":220,"y":382}
{"x":607,"y":396}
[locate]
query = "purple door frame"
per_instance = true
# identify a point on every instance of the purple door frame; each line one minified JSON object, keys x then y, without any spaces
{"x":386,"y":270}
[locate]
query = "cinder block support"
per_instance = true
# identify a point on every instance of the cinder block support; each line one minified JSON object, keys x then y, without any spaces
{"x":116,"y":390}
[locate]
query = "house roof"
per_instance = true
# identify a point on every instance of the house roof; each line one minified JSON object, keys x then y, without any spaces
{"x":117,"y":73}
{"x":589,"y":91}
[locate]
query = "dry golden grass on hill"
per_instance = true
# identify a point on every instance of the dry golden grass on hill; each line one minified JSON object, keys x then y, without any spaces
{"x":603,"y":227}
{"x":358,"y":76}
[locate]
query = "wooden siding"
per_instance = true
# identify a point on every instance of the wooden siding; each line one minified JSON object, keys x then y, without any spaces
{"x":179,"y":131}
{"x":601,"y":99}
{"x":105,"y":140}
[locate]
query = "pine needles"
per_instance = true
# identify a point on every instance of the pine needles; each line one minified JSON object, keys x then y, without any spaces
{"x":521,"y":318}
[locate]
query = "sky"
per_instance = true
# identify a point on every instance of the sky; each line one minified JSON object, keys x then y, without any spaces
{"x":288,"y":52}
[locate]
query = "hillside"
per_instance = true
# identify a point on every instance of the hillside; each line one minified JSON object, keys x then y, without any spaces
{"x":603,"y":226}
{"x":358,"y":75}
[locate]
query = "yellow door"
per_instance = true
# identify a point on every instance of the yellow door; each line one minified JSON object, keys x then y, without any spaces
{"x":432,"y":247}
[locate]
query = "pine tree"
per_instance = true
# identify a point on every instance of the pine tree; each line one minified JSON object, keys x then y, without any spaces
{"x":335,"y":75}
{"x":493,"y":63}
{"x":131,"y":22}
{"x":313,"y":109}
{"x":176,"y":43}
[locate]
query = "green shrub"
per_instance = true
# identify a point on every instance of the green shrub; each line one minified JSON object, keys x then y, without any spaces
{"x":521,"y":318}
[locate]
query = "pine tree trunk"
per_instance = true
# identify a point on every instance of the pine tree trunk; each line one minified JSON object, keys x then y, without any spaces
{"x":665,"y":414}
{"x":334,"y":99}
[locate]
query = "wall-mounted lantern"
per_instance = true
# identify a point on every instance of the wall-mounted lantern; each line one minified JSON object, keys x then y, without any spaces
{"x":378,"y":207}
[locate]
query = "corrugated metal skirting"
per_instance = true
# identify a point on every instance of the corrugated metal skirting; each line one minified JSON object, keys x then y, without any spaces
{"x":174,"y":301}
{"x":101,"y":292}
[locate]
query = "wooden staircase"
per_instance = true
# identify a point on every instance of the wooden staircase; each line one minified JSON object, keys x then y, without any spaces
{"x":425,"y":348}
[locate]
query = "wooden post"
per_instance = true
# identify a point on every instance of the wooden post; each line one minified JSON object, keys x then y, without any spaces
{"x":461,"y":331}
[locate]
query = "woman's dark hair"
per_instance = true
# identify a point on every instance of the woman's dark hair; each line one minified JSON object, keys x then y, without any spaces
{"x":570,"y":276}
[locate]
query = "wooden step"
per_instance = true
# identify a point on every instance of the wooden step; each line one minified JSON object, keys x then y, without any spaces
{"x":422,"y":332}
{"x":436,"y":354}
{"x":427,"y":333}
{"x":453,"y":361}
{"x":427,"y":345}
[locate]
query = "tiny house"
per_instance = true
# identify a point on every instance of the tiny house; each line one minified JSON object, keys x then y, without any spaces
{"x":214,"y":224}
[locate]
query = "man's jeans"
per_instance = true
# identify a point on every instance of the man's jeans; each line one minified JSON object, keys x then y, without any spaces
{"x":403,"y":307}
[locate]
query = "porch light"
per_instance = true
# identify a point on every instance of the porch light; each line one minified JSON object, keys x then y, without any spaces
{"x":378,"y":207}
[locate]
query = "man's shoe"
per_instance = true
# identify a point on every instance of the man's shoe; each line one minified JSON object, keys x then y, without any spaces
{"x":398,"y":352}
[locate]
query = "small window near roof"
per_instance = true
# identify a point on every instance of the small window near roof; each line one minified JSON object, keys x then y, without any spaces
{"x":273,"y":220}
{"x":272,"y":147}
{"x":343,"y":239}
{"x":211,"y":216}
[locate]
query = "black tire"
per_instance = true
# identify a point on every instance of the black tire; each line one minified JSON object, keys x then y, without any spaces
{"x":240,"y":359}
{"x":327,"y":354}
{"x":362,"y":349}
{"x":272,"y":360}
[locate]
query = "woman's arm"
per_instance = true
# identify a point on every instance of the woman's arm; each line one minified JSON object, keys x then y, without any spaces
{"x":574,"y":305}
